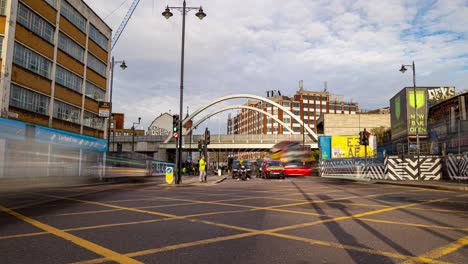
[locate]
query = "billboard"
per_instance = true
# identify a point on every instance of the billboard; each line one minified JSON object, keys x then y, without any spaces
{"x":325,"y":147}
{"x":349,"y":147}
{"x":404,"y":107}
{"x":398,"y":116}
{"x":419,"y":103}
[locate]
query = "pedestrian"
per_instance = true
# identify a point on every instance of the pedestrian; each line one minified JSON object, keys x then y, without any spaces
{"x":202,"y":169}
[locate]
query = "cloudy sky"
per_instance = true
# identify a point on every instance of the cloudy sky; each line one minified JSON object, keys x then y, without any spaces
{"x":356,"y":46}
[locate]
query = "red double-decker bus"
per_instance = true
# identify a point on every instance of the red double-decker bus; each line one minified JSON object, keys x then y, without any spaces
{"x":295,"y":157}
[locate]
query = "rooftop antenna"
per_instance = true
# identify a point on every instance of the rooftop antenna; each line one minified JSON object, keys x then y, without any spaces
{"x":301,"y":85}
{"x":325,"y":88}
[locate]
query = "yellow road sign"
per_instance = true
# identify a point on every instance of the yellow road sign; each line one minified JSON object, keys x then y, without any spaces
{"x":169,"y":175}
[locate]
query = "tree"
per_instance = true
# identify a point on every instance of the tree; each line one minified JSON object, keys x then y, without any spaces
{"x":379,"y":133}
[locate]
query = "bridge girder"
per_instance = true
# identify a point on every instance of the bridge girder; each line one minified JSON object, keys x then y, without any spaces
{"x":251,"y":96}
{"x":238,"y":107}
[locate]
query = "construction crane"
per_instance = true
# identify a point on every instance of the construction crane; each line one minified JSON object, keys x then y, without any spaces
{"x":121,"y":28}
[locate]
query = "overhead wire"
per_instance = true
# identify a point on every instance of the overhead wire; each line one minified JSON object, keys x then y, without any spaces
{"x":111,"y":13}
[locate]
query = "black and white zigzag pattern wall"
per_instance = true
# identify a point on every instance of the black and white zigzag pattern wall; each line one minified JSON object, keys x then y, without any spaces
{"x":457,"y":167}
{"x":353,"y":167}
{"x":397,"y":168}
{"x":393,"y":168}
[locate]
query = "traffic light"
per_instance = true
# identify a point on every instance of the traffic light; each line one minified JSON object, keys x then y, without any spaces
{"x":175,"y":126}
{"x":366,"y":137}
{"x":207,"y":136}
{"x":361,"y":138}
{"x":200,"y":146}
{"x":175,"y":123}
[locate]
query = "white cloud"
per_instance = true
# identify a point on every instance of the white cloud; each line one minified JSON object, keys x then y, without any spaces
{"x":258,"y":45}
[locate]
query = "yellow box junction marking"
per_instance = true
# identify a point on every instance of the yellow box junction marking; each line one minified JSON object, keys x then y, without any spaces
{"x":105,"y":252}
{"x":271,"y":232}
{"x":444,"y":250}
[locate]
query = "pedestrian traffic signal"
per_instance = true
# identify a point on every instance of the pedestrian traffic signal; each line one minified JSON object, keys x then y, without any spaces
{"x":175,"y":123}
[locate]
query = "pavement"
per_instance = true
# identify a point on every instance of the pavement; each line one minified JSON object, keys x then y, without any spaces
{"x":436,"y":184}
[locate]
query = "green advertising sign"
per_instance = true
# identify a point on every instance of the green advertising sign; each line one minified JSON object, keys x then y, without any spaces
{"x":418,"y":122}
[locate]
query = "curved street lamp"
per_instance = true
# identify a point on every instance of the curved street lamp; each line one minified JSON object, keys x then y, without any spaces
{"x":123,"y":66}
{"x":168,"y":14}
{"x":403,"y":70}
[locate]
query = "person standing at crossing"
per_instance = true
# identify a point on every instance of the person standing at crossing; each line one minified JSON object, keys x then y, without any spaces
{"x":202,"y":170}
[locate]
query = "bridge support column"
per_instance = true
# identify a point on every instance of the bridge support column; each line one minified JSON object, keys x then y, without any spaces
{"x":161,"y":155}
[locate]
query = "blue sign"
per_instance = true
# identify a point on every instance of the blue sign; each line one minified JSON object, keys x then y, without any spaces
{"x":13,"y":129}
{"x":189,"y":158}
{"x":169,"y":170}
{"x":325,"y":147}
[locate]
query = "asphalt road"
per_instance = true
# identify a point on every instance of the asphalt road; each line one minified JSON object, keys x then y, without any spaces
{"x":300,"y":220}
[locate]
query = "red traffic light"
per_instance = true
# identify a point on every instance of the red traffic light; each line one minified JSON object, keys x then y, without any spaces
{"x":367,"y":133}
{"x":175,"y":135}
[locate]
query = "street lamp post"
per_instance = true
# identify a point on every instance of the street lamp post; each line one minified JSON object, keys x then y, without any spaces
{"x":123,"y":66}
{"x":167,"y":14}
{"x":133,"y":133}
{"x":458,"y":114}
{"x":403,"y":70}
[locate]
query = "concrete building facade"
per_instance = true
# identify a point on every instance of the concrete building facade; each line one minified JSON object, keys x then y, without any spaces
{"x":345,"y":125}
{"x":308,"y":105}
{"x":54,"y":64}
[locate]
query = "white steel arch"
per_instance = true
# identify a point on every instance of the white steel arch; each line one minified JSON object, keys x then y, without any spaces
{"x":251,"y":96}
{"x":238,"y":107}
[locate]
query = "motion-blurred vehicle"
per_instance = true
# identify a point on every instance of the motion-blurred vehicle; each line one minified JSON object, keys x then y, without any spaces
{"x":235,"y":169}
{"x":297,"y":169}
{"x":254,"y":168}
{"x":272,"y":169}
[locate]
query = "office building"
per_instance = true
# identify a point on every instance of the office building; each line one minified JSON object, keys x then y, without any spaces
{"x":307,"y":105}
{"x":54,"y":64}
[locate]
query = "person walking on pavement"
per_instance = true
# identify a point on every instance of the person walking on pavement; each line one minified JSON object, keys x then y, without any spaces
{"x":202,"y":169}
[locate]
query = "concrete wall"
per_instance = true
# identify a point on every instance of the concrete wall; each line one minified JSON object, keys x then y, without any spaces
{"x":342,"y":125}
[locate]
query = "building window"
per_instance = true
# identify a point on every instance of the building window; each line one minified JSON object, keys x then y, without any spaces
{"x":32,"y":61}
{"x":35,"y":23}
{"x":2,"y":7}
{"x":96,"y":65}
{"x":28,"y":100}
{"x":73,"y":16}
{"x":66,"y":112}
{"x":94,"y":92}
{"x":296,"y":129}
{"x":98,"y":37}
{"x":287,"y":104}
{"x":92,"y":120}
{"x":68,"y":79}
{"x":295,"y":104}
{"x":53,"y":3}
{"x":1,"y":44}
{"x":70,"y":47}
